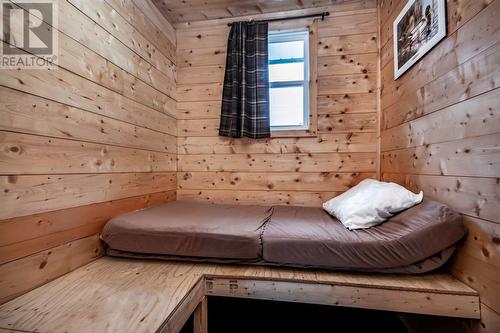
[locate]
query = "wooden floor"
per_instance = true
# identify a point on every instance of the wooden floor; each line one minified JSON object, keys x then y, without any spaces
{"x":124,"y":295}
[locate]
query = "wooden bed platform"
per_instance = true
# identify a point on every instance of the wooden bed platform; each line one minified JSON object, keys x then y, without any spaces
{"x":125,"y":295}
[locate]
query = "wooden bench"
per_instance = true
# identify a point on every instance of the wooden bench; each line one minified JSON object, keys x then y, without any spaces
{"x":124,"y":295}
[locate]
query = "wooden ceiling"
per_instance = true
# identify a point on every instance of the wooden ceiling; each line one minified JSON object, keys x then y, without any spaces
{"x":177,"y":11}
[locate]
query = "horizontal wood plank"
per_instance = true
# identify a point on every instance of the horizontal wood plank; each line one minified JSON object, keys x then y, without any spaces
{"x":208,"y":56}
{"x":31,"y":194}
{"x":200,"y":92}
{"x":22,"y":236}
{"x":256,"y":181}
{"x":201,"y":74}
{"x":347,"y":103}
{"x":81,"y":28}
{"x":349,"y":44}
{"x":323,"y":143}
{"x":294,"y":198}
{"x":30,"y":154}
{"x":347,"y":64}
{"x":315,"y":162}
{"x":31,"y":114}
{"x":143,"y":24}
{"x":104,"y":15}
{"x":349,"y":25}
{"x":347,"y":123}
{"x":78,"y":92}
{"x":347,"y":84}
{"x":474,"y":157}
{"x":472,"y":196}
{"x":474,"y":117}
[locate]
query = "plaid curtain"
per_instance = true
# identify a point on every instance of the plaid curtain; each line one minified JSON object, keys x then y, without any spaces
{"x":245,"y":98}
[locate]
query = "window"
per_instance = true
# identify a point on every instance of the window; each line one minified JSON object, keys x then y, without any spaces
{"x":289,"y":80}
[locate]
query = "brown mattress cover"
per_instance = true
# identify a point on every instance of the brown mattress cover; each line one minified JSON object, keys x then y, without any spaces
{"x":190,"y":229}
{"x":309,"y":236}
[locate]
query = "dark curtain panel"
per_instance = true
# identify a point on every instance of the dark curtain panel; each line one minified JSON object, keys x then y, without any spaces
{"x":245,"y":98}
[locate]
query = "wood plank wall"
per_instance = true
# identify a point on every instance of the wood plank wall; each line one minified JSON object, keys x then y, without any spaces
{"x":295,"y":171}
{"x":440,"y":133}
{"x":83,"y":142}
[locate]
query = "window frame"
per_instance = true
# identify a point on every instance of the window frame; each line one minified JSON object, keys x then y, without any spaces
{"x":289,"y":35}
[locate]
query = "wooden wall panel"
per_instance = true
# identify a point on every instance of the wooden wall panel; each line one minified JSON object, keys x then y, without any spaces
{"x":441,"y":134}
{"x":301,"y":171}
{"x":22,"y":236}
{"x":84,"y":141}
{"x":22,"y":275}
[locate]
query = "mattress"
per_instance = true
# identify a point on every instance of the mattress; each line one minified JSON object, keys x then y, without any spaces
{"x":190,"y":229}
{"x":428,"y":264}
{"x":310,"y":236}
{"x":417,"y":240}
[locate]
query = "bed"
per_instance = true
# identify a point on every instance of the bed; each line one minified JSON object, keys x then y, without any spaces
{"x":417,"y":240}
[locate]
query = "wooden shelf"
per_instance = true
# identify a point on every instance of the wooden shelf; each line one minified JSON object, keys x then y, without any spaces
{"x":124,"y":295}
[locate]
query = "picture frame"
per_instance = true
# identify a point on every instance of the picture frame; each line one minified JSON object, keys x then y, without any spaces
{"x":420,"y":25}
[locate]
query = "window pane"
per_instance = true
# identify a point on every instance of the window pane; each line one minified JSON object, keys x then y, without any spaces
{"x":287,"y":106}
{"x":286,"y":72}
{"x":286,"y":50}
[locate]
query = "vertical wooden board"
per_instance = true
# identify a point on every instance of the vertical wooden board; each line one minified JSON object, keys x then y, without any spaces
{"x":20,"y":276}
{"x":313,"y":80}
{"x":201,"y":317}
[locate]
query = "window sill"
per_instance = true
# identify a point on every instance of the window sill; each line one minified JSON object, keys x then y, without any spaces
{"x":294,"y":134}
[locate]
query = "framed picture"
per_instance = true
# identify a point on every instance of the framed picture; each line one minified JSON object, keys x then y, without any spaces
{"x":420,"y":25}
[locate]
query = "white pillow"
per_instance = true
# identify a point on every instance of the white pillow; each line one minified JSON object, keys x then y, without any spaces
{"x":370,"y":203}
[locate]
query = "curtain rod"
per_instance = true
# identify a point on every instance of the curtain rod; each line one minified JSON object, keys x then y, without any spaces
{"x":322,"y":15}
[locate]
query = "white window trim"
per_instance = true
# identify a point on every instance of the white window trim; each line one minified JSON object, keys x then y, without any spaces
{"x":286,"y":36}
